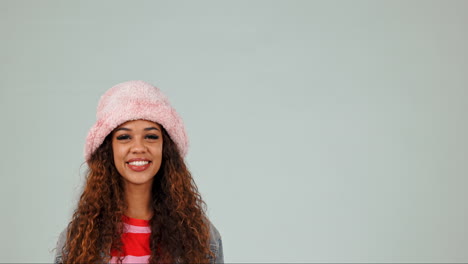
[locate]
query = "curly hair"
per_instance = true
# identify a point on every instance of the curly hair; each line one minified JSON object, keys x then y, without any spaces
{"x":179,"y":227}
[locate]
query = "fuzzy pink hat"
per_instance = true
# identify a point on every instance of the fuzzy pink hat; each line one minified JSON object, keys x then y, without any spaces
{"x":134,"y":100}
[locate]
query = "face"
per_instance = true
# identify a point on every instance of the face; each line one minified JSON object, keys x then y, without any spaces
{"x":137,"y":147}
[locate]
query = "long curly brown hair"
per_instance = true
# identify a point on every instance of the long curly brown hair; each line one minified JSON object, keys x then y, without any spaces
{"x":179,"y":227}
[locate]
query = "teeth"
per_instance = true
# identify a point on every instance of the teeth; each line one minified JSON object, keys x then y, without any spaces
{"x":138,"y":163}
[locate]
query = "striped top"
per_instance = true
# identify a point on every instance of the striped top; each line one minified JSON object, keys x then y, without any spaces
{"x":135,"y":239}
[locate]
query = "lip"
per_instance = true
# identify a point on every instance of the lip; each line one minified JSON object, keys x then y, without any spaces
{"x":138,"y":168}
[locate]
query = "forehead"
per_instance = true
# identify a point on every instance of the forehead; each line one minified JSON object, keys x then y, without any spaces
{"x":139,"y":124}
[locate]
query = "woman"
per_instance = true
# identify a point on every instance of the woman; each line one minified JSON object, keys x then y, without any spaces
{"x":139,"y":203}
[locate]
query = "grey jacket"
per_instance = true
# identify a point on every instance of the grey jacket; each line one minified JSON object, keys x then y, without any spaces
{"x":216,"y":245}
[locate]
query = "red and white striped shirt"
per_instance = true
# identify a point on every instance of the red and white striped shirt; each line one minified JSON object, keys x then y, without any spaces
{"x":135,"y":239}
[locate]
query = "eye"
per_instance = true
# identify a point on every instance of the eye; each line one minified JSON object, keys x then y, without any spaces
{"x":153,"y":137}
{"x":123,"y":137}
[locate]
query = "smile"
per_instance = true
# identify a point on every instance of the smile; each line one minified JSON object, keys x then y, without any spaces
{"x":139,"y":166}
{"x":138,"y":163}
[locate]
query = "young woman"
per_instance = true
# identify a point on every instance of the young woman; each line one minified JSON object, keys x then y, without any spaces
{"x":140,"y":203}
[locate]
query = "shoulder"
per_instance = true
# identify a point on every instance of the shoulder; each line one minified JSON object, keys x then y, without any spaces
{"x":216,"y":244}
{"x":59,"y":248}
{"x":214,"y":233}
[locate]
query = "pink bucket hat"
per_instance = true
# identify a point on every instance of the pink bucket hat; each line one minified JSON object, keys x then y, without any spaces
{"x":135,"y":100}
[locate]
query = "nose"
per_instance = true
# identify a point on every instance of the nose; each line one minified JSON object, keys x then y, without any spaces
{"x":138,"y":146}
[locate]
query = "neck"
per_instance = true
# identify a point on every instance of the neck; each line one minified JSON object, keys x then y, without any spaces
{"x":138,"y":199}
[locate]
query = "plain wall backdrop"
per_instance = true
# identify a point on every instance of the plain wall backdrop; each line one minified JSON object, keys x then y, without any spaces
{"x":320,"y":131}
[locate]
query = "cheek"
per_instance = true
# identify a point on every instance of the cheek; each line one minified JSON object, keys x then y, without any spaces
{"x":118,"y":157}
{"x":157,"y":153}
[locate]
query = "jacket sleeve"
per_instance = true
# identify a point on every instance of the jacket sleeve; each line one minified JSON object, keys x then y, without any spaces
{"x":216,"y":245}
{"x":220,"y":255}
{"x":60,"y":243}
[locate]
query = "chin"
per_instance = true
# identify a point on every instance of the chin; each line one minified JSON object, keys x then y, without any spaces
{"x":138,"y":180}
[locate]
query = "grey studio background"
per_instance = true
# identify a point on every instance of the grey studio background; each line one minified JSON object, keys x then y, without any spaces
{"x":321,"y":131}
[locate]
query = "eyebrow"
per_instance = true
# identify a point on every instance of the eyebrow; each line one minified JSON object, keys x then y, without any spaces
{"x":128,"y":129}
